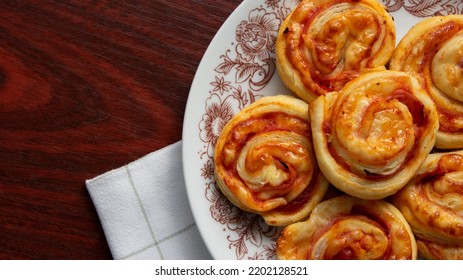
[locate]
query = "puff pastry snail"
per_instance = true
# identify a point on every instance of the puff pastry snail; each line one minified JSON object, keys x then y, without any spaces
{"x":371,"y":137}
{"x":265,"y":164}
{"x":347,"y":227}
{"x":432,"y":51}
{"x":323,"y":44}
{"x":432,"y":203}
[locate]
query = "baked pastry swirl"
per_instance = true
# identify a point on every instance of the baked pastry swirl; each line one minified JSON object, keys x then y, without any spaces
{"x":264,"y":161}
{"x":323,"y":44}
{"x":432,"y":51}
{"x":432,"y":203}
{"x":371,"y":137}
{"x":346,"y":227}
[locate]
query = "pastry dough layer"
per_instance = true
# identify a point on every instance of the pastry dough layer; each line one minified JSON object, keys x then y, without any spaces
{"x":371,"y":137}
{"x":323,"y":44}
{"x":436,"y":251}
{"x":432,"y":51}
{"x":264,"y":161}
{"x":432,"y":203}
{"x":346,"y":227}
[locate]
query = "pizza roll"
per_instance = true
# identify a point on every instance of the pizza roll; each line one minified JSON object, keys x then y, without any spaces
{"x":437,"y":251}
{"x":347,"y":227}
{"x":432,"y":51}
{"x":264,"y":161}
{"x":371,"y":137}
{"x":323,"y":44}
{"x":432,"y":203}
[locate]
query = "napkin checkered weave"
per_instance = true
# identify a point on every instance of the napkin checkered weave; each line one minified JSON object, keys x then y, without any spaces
{"x":144,"y":210}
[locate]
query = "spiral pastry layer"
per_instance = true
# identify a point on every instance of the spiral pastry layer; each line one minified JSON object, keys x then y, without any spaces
{"x":347,"y":227}
{"x":371,"y":137}
{"x":432,"y":203}
{"x":323,"y":44}
{"x":432,"y":51}
{"x":264,"y":161}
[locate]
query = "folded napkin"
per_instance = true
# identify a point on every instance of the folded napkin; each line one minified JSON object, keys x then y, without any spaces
{"x":144,"y":210}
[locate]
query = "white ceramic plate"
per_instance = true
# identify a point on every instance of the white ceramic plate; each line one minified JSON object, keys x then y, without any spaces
{"x":238,"y":68}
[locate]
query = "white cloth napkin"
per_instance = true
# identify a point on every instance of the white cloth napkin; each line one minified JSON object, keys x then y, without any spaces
{"x":144,"y":210}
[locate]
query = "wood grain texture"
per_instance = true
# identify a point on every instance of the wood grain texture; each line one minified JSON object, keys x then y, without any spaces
{"x":86,"y":87}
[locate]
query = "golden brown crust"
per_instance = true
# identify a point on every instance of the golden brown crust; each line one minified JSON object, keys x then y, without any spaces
{"x":371,"y":137}
{"x":349,"y":228}
{"x":432,"y":203}
{"x":264,"y":161}
{"x":323,"y":44}
{"x":436,"y":251}
{"x":432,"y":51}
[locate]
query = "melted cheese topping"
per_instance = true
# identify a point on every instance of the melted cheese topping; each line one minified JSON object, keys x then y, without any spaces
{"x":372,"y":136}
{"x":323,"y":44}
{"x":447,"y":67}
{"x":433,"y":205}
{"x":349,"y":228}
{"x":432,"y":51}
{"x":264,"y":161}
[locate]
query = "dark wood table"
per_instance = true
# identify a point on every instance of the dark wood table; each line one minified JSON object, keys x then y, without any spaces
{"x":86,"y":87}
